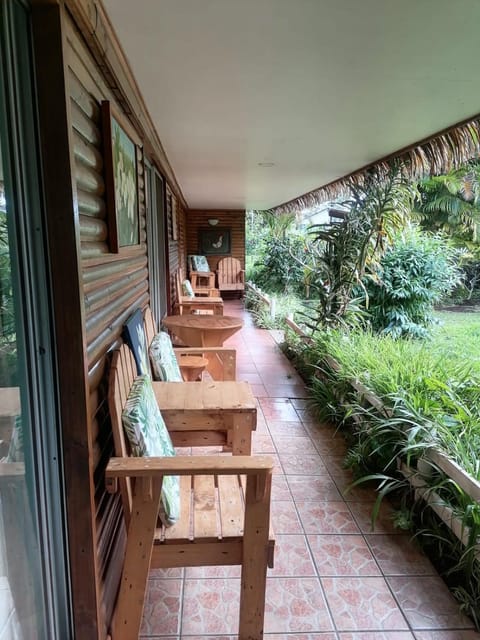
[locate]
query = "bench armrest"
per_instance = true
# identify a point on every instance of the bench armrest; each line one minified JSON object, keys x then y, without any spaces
{"x":201,"y":274}
{"x":199,"y":350}
{"x":187,"y":466}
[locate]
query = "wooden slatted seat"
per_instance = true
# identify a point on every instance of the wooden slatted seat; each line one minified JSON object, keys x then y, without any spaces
{"x":225,"y":507}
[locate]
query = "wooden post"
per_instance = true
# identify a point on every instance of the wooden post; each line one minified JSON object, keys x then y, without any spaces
{"x":255,"y":557}
{"x":141,"y":533}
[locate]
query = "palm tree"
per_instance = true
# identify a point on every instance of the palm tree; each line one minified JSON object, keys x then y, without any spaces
{"x":451,"y":203}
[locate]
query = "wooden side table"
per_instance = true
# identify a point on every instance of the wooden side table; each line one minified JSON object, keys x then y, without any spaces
{"x":192,"y":367}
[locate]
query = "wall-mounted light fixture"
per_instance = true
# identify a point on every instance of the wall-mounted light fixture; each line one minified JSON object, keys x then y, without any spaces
{"x":213,"y":222}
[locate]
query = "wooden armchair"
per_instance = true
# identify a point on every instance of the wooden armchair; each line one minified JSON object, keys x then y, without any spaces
{"x":222,"y":361}
{"x":201,"y":277}
{"x":231,"y":276}
{"x":209,"y":302}
{"x":224,"y":517}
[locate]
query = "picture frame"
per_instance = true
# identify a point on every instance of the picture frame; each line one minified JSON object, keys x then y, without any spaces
{"x":214,"y":241}
{"x":120,"y":145}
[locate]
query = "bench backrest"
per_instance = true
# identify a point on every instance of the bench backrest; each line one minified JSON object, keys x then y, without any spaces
{"x":150,"y":325}
{"x":123,"y":372}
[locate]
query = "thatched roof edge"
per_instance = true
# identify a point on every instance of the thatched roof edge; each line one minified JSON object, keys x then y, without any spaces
{"x":435,"y":155}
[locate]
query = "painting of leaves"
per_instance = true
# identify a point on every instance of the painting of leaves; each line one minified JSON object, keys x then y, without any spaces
{"x":125,"y":178}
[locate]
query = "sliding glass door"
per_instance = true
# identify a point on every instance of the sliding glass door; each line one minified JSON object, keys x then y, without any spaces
{"x":34,"y":604}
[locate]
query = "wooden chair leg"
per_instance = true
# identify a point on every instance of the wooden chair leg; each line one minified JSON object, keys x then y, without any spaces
{"x":241,"y":437}
{"x":255,"y":558}
{"x":141,"y":533}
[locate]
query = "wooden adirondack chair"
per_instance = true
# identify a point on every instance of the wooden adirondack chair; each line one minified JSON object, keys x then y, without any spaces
{"x":225,"y":507}
{"x":231,"y":276}
{"x":222,"y":361}
{"x":209,"y":302}
{"x":201,"y":277}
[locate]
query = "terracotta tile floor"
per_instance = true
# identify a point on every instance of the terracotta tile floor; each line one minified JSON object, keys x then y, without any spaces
{"x":334,"y":578}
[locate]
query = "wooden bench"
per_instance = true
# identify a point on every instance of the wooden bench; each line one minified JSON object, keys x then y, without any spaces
{"x":225,"y":512}
{"x":206,"y":300}
{"x":222,"y":361}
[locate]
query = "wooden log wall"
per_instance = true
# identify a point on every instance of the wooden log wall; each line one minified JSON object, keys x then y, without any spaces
{"x":93,"y":289}
{"x":196,"y":220}
{"x":112,"y":286}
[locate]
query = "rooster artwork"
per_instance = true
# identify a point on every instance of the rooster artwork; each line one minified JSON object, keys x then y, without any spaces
{"x":218,"y":243}
{"x":214,"y":241}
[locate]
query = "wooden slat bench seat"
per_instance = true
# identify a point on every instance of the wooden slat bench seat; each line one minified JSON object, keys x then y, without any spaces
{"x":205,"y":413}
{"x":208,"y":412}
{"x":225,"y":514}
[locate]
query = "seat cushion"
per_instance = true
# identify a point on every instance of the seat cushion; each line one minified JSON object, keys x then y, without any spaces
{"x":199,"y":263}
{"x":187,"y":289}
{"x":162,"y":358}
{"x":134,"y":336}
{"x":148,"y":436}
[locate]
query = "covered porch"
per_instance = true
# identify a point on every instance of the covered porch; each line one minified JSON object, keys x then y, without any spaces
{"x":87,"y":252}
{"x":334,"y":577}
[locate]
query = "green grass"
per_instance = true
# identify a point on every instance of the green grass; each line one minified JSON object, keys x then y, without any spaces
{"x":436,"y":382}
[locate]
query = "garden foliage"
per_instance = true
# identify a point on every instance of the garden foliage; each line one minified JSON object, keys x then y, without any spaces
{"x":413,"y":395}
{"x":342,"y":252}
{"x":416,"y":271}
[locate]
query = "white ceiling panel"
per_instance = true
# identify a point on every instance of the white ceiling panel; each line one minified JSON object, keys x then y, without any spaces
{"x":317,"y":88}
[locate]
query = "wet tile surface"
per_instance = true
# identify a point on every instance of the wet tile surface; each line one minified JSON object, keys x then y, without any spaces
{"x":427,"y":603}
{"x":335,"y":578}
{"x":363,"y":604}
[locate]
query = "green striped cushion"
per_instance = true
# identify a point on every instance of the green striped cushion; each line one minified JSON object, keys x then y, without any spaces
{"x":148,"y":436}
{"x":187,"y":289}
{"x":162,"y":358}
{"x":199,"y":263}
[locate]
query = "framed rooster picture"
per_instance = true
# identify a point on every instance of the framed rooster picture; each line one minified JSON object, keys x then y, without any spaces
{"x":214,"y":242}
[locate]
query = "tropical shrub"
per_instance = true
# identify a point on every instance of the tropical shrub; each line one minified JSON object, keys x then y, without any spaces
{"x":281,"y":268}
{"x":415,"y":272}
{"x":342,"y":251}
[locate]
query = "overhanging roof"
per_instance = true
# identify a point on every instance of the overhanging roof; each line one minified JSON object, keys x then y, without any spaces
{"x":315,"y":88}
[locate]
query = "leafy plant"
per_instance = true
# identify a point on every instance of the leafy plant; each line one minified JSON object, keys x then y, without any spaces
{"x":415,"y":272}
{"x":451,"y":202}
{"x":341,"y":252}
{"x":279,"y":270}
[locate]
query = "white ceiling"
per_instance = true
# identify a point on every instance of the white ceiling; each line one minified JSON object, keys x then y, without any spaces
{"x":317,"y":87}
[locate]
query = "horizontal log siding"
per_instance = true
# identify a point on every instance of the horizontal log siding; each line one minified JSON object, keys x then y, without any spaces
{"x":197,"y":220}
{"x":113,"y":286}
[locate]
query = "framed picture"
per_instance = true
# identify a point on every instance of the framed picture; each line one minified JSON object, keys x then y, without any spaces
{"x":121,"y":183}
{"x":214,"y":241}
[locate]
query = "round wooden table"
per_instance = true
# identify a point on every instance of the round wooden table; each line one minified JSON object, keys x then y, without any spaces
{"x":192,"y":367}
{"x":203,"y":331}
